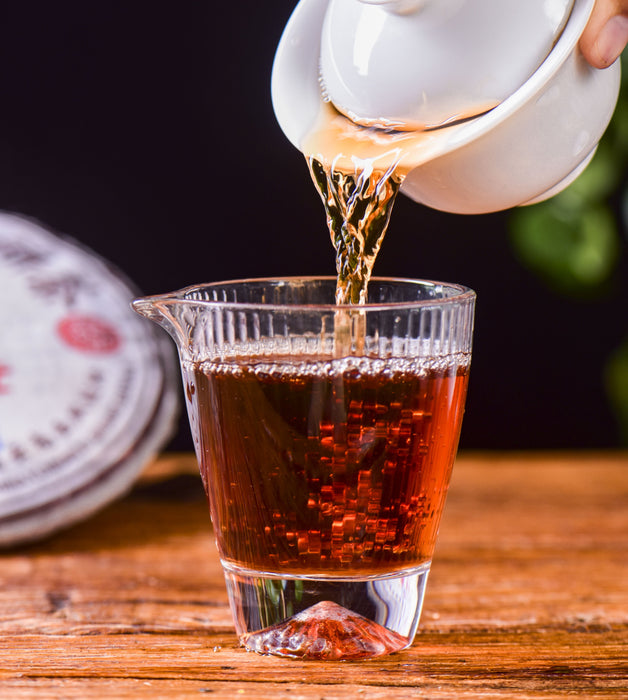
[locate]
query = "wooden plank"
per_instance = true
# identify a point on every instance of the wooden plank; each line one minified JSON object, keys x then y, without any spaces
{"x":538,"y":662}
{"x":527,"y":596}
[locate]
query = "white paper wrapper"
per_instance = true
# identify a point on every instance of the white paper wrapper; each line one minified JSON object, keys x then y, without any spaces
{"x":88,"y":389}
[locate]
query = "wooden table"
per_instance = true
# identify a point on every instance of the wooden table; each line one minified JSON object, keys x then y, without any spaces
{"x":528,"y":597}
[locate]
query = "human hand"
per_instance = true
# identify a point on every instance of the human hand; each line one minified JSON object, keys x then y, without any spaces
{"x":606,"y":33}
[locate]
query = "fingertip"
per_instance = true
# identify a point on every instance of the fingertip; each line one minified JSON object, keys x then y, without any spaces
{"x":604,"y":48}
{"x":612,"y":39}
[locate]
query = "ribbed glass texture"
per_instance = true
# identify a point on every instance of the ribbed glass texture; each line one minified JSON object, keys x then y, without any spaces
{"x":227,"y":320}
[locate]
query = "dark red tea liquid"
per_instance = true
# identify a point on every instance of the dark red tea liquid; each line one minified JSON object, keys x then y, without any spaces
{"x":326,"y":468}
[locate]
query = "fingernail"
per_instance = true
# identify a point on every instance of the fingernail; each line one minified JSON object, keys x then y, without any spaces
{"x":612,"y":39}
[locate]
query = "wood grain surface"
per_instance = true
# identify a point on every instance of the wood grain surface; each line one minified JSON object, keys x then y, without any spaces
{"x":528,"y":597}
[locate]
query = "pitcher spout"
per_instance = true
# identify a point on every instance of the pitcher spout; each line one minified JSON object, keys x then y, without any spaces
{"x":162,"y":310}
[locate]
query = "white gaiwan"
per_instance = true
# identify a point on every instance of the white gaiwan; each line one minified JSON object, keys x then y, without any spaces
{"x":414,"y":64}
{"x":551,"y":106}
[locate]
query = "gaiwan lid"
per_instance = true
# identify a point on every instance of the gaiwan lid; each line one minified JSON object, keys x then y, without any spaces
{"x":420,"y":64}
{"x":88,"y":389}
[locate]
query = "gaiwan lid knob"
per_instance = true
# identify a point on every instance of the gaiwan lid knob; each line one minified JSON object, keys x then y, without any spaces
{"x":415,"y":64}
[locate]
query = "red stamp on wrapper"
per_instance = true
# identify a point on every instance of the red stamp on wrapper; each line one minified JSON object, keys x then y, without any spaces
{"x":4,"y":370}
{"x":88,"y":334}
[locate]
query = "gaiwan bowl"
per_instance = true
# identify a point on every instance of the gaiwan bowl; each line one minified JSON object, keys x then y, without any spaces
{"x":526,"y":149}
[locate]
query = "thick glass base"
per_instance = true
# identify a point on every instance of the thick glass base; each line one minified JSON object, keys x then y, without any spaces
{"x":325,"y":617}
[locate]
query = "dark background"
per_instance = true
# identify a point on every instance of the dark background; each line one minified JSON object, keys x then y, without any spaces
{"x":146,"y":132}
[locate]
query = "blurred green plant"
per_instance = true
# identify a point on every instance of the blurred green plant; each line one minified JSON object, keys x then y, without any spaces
{"x":574,"y":241}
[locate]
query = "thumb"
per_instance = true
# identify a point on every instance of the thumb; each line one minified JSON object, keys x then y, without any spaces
{"x":606,"y":33}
